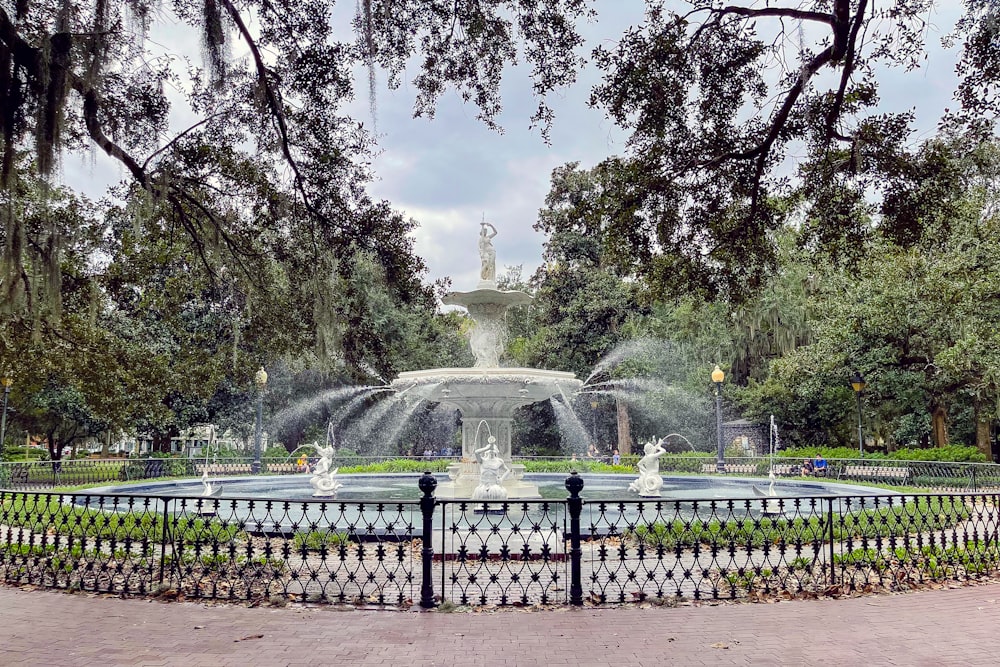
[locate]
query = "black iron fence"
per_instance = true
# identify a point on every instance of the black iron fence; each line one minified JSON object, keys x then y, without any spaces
{"x":930,"y":475}
{"x":530,"y":552}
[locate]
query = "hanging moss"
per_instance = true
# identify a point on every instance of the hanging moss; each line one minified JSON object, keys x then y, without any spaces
{"x":55,"y":68}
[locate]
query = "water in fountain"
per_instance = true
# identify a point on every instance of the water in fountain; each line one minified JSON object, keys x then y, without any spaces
{"x":376,"y":431}
{"x":640,"y":348}
{"x":313,"y":406}
{"x":682,"y":412}
{"x":575,"y":436}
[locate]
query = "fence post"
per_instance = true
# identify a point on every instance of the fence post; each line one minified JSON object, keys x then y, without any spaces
{"x":574,"y":504}
{"x":163,"y":538}
{"x":427,"y":485}
{"x":829,"y":520}
{"x":974,"y":468}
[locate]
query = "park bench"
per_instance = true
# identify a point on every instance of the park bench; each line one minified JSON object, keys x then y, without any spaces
{"x":737,"y":468}
{"x":875,"y":473}
{"x":283,"y":468}
{"x":787,"y":470}
{"x":223,"y":468}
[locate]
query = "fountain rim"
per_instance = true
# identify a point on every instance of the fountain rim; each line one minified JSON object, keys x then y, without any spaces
{"x":846,"y":490}
{"x":511,"y":373}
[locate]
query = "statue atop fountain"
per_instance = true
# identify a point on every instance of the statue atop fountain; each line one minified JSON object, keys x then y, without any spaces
{"x":649,"y":483}
{"x":486,"y":393}
{"x":324,"y":479}
{"x":487,"y":256}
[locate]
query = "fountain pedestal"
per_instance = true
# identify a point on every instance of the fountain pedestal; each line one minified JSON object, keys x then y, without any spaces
{"x":486,"y":399}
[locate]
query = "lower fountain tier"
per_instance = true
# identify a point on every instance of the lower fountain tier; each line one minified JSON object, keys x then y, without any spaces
{"x":487,"y":392}
{"x":486,"y":399}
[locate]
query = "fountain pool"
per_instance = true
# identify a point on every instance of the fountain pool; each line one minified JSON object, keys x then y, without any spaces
{"x":285,"y":505}
{"x":363,"y":487}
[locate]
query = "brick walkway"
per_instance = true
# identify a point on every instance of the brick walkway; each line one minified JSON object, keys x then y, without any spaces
{"x":942,"y":627}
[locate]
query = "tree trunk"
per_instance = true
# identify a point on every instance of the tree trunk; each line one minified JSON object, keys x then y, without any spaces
{"x":983,"y":428}
{"x":55,"y":447}
{"x":624,"y":428}
{"x":106,"y":446}
{"x":983,"y":438}
{"x":939,"y":427}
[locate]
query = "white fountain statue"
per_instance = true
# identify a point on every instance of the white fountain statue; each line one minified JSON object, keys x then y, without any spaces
{"x":492,"y":473}
{"x":324,"y":478}
{"x":486,"y":393}
{"x":487,"y":256}
{"x":210,"y":490}
{"x":649,"y":482}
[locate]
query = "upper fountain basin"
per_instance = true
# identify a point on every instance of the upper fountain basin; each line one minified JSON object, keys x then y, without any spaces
{"x":486,"y":296}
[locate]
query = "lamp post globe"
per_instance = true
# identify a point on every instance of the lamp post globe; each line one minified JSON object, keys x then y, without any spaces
{"x":718,"y":377}
{"x":260,"y":379}
{"x":858,"y":385}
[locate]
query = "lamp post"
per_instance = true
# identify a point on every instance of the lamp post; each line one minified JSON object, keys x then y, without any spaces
{"x":6,"y":381}
{"x":717,"y":377}
{"x":858,"y":384}
{"x":260,"y":379}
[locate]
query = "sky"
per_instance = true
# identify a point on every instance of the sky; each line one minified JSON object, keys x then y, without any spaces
{"x":449,"y":172}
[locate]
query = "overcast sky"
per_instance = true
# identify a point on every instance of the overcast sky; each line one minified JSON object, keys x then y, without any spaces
{"x":450,"y":171}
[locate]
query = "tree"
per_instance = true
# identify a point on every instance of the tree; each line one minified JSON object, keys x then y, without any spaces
{"x":86,"y":70}
{"x":718,"y":99}
{"x":918,"y":322}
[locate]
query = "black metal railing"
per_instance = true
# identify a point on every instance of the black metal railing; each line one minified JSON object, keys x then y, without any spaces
{"x":930,"y":475}
{"x":525,"y":552}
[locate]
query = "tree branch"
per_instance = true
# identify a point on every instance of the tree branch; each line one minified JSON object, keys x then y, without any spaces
{"x":91,"y":105}
{"x":273,"y":103}
{"x":845,"y":32}
{"x":845,"y":75}
{"x":179,"y":136}
{"x":782,"y":12}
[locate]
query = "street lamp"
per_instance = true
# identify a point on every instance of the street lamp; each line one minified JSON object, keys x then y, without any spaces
{"x":6,"y":381}
{"x":260,"y":379}
{"x":717,"y":377}
{"x":858,"y":384}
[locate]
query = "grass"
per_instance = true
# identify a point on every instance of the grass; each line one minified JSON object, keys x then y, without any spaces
{"x":922,"y":513}
{"x":318,"y":540}
{"x":137,"y":522}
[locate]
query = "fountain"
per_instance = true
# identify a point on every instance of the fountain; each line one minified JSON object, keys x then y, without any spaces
{"x":486,"y":393}
{"x":209,"y":490}
{"x":772,"y":506}
{"x":324,"y":479}
{"x":649,"y":482}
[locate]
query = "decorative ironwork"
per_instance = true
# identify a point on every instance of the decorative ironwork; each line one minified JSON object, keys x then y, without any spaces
{"x":528,"y":552}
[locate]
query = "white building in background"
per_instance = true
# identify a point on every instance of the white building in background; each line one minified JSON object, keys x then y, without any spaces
{"x":203,"y":439}
{"x":193,"y":442}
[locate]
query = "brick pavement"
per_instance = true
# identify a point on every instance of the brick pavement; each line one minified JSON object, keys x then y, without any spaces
{"x":938,"y":627}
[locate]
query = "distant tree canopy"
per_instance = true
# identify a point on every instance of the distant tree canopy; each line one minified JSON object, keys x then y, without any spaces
{"x":719,"y":98}
{"x":716,"y":96}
